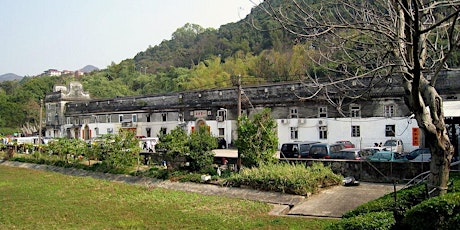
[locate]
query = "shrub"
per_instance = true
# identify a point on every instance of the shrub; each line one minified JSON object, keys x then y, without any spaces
{"x":371,"y":221}
{"x":286,"y":178}
{"x":443,"y":212}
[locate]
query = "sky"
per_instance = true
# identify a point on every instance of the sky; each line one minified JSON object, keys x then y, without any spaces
{"x":37,"y":35}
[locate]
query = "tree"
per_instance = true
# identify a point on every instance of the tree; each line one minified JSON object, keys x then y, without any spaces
{"x":257,"y":139}
{"x":174,"y":143}
{"x":376,"y":40}
{"x":201,"y":145}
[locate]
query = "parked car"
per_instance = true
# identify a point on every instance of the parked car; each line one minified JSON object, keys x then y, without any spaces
{"x":322,"y":150}
{"x":394,"y":145}
{"x":412,"y":155}
{"x":387,"y":156}
{"x":423,"y":157}
{"x":347,"y":144}
{"x":369,"y":151}
{"x":348,"y":154}
{"x":296,"y":149}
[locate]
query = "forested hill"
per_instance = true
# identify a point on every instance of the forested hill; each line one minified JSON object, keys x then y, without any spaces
{"x":192,"y":43}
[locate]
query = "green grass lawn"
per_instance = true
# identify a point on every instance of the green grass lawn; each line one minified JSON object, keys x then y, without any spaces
{"x":32,"y":199}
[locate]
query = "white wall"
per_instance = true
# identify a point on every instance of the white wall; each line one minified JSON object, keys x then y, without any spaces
{"x":372,"y":130}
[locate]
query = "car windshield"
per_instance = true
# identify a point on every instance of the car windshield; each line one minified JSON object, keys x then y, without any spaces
{"x":390,"y":143}
{"x":318,"y":150}
{"x":289,"y":148}
{"x":304,"y":148}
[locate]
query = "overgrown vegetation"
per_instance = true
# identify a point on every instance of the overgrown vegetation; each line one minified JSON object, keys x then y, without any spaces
{"x":286,"y":178}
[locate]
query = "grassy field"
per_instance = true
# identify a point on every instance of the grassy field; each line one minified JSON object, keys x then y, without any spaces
{"x":32,"y":199}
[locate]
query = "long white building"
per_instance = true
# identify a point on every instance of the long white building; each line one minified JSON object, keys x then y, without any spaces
{"x":378,"y":116}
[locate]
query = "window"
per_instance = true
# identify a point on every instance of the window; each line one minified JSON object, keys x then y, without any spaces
{"x":322,"y":111}
{"x":164,"y":117}
{"x":293,"y":113}
{"x":294,"y":133}
{"x":355,"y":131}
{"x":68,"y":120}
{"x":322,"y":132}
{"x":221,"y":132}
{"x":120,"y":118}
{"x":163,"y":131}
{"x":96,"y":130}
{"x":134,"y":118}
{"x":389,"y":111}
{"x":49,"y":117}
{"x":149,"y":132}
{"x":108,"y":118}
{"x":390,"y":130}
{"x":222,"y":113}
{"x":148,"y":118}
{"x":355,"y":111}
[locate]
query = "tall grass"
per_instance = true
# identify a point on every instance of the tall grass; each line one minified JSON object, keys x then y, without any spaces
{"x":287,"y":178}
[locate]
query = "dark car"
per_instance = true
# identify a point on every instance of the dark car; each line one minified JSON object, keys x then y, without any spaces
{"x":296,"y":149}
{"x":320,"y":150}
{"x":347,"y":154}
{"x":412,"y":155}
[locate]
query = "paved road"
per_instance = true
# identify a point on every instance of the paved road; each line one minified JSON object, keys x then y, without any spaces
{"x":336,"y":201}
{"x":332,"y":202}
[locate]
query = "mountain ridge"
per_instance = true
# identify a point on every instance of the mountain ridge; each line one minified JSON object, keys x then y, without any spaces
{"x":10,"y":77}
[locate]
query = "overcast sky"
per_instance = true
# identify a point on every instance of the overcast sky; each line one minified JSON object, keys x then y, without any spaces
{"x":36,"y":35}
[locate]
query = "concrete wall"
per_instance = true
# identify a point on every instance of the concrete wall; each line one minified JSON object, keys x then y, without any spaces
{"x":400,"y":172}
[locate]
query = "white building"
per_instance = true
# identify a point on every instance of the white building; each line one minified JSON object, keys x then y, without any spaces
{"x":375,"y":118}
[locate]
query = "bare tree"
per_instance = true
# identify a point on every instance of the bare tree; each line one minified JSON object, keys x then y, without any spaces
{"x":408,"y":40}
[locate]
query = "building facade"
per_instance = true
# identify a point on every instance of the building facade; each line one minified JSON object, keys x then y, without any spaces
{"x":374,"y":118}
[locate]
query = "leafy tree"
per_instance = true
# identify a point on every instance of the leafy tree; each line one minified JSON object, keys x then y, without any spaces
{"x":257,"y":139}
{"x":175,"y":144}
{"x":196,"y":148}
{"x":409,"y":41}
{"x":201,"y":145}
{"x":67,"y":149}
{"x":123,"y":150}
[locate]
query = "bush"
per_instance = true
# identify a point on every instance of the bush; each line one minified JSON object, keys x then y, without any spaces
{"x":286,"y":178}
{"x":413,"y":210}
{"x":443,"y":212}
{"x":371,"y":221}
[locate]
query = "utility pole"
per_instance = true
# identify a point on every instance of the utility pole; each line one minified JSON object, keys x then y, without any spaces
{"x":40,"y":125}
{"x":238,"y":161}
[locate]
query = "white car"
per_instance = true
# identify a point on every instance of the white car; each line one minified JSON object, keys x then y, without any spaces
{"x":394,"y":145}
